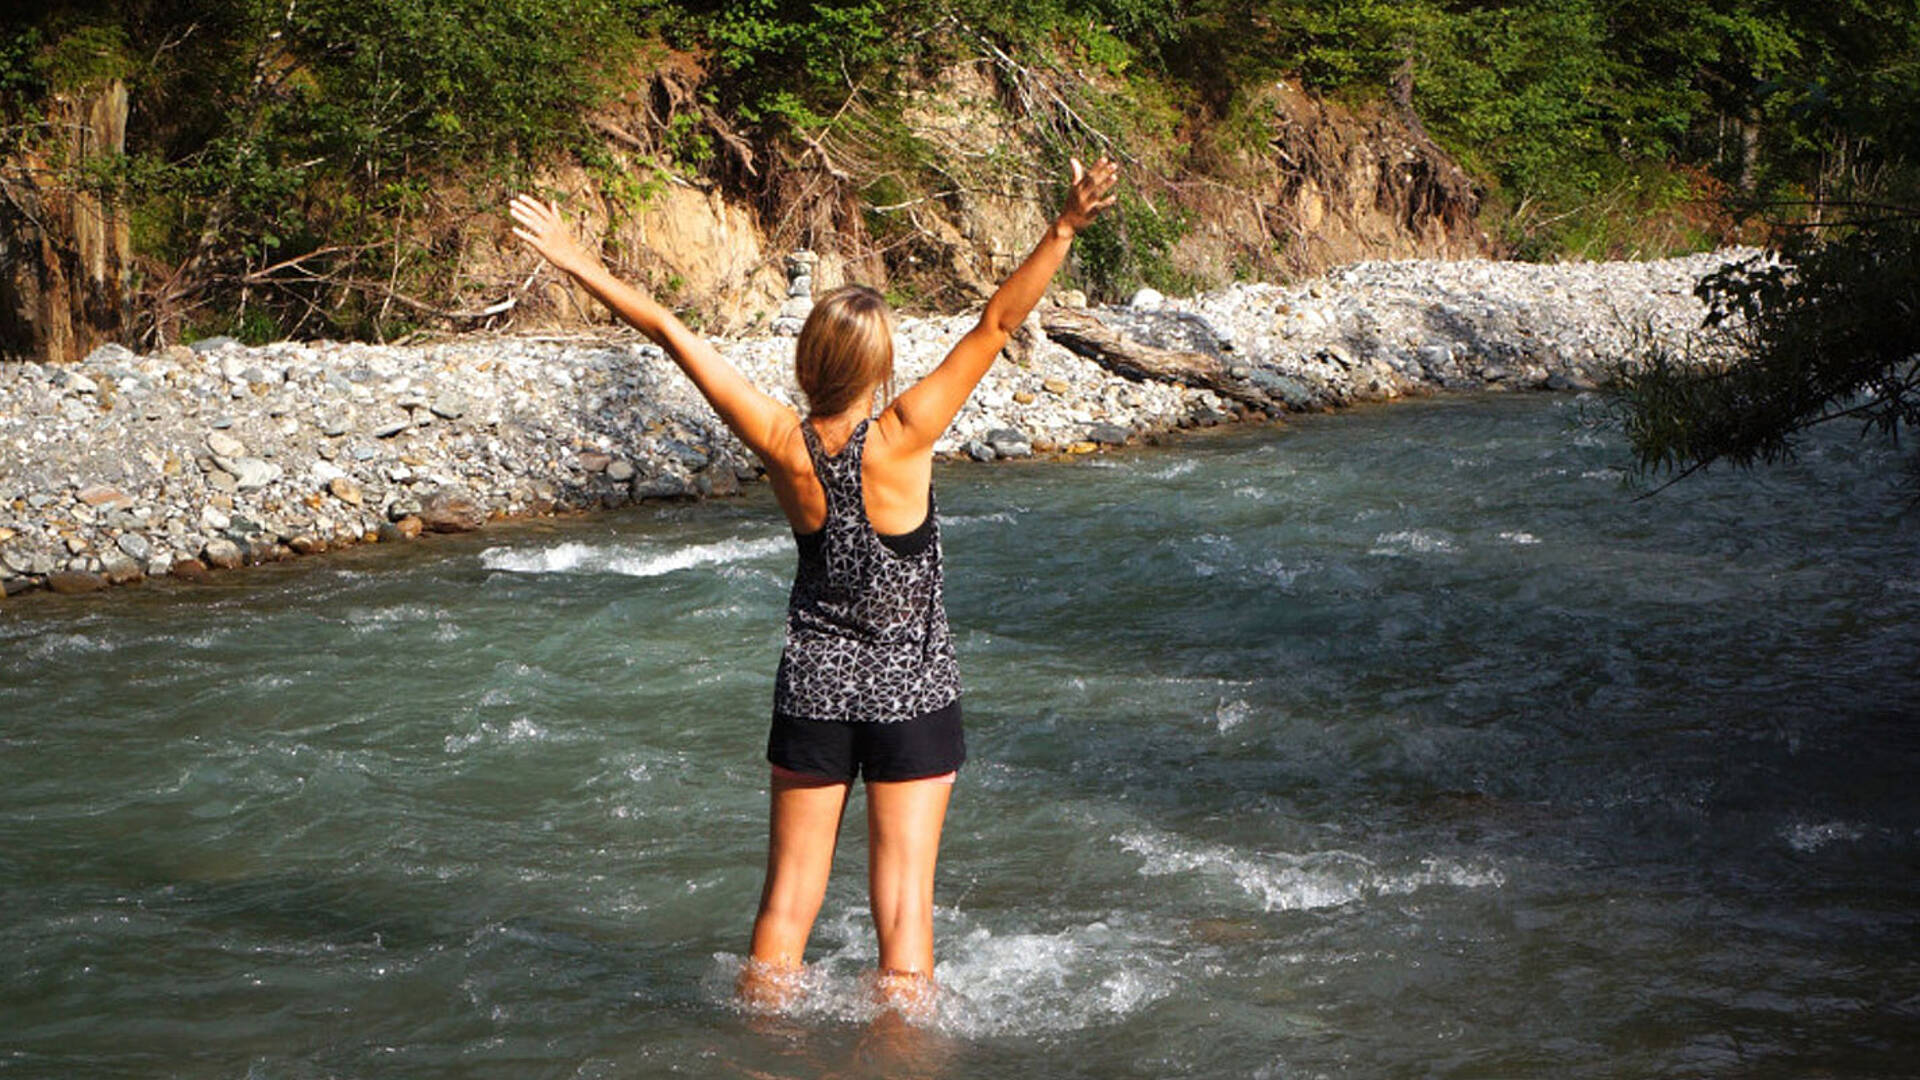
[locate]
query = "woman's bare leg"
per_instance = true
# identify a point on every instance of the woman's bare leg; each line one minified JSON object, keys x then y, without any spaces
{"x":803,"y":828}
{"x":903,"y":821}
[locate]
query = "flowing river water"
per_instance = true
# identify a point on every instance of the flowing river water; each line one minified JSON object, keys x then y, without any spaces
{"x":1401,"y":742}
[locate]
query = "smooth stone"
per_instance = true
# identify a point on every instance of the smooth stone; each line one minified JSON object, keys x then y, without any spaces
{"x":120,"y":570}
{"x":222,"y":553}
{"x":664,"y":486}
{"x":75,"y":581}
{"x":594,"y":461}
{"x":346,"y":490}
{"x":1055,"y":385}
{"x":211,"y":344}
{"x":103,"y":495}
{"x":251,"y":473}
{"x":222,"y":481}
{"x":1010,"y":443}
{"x":110,"y":353}
{"x":160,"y":565}
{"x":392,"y":425}
{"x":134,"y":545}
{"x":1147,"y":299}
{"x":188,"y":570}
{"x":406,"y":528}
{"x":452,"y":509}
{"x":979,"y":451}
{"x":448,"y":407}
{"x":405,"y":507}
{"x":214,"y":518}
{"x":1108,"y":435}
{"x":620,"y":471}
{"x":303,"y":544}
{"x":718,"y":480}
{"x":1023,"y":397}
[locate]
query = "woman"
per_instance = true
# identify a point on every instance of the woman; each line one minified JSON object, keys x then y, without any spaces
{"x":867,"y":683}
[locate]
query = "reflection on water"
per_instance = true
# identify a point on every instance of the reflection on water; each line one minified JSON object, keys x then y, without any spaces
{"x":1393,"y":743}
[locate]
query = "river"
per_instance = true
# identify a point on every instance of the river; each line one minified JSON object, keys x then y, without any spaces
{"x":1401,"y":742}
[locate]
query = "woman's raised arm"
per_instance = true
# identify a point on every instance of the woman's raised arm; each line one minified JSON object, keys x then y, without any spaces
{"x":761,"y":422}
{"x":921,"y":414}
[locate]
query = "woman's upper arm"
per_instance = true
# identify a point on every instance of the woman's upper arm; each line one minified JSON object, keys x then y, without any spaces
{"x":760,"y":421}
{"x":925,"y":410}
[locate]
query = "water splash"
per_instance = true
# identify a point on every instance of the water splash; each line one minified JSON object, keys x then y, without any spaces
{"x":1282,"y":881}
{"x":628,"y":560}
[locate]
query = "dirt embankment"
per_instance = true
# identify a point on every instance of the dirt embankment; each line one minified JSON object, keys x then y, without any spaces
{"x":937,"y":196}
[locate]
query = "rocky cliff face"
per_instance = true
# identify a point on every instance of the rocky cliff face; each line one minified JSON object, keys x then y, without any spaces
{"x":64,"y":250}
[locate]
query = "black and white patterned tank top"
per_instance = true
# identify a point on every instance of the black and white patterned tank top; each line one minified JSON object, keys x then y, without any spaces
{"x":867,"y":636}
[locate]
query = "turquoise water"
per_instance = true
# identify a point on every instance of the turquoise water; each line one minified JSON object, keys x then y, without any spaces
{"x":1394,"y":743}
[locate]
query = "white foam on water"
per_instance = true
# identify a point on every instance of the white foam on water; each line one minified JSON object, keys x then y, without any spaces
{"x":1806,"y":837}
{"x":574,"y":557}
{"x":48,"y":646}
{"x":1231,"y":714}
{"x":1169,"y":472}
{"x":1411,"y":541}
{"x":998,"y":517}
{"x":521,"y":730}
{"x":1282,"y":881}
{"x":991,"y":983}
{"x":1522,"y":538}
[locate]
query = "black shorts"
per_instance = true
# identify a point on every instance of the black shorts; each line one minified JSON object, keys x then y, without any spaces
{"x":929,"y":745}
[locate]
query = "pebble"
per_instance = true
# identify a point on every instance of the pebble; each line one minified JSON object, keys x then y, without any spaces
{"x":346,"y":490}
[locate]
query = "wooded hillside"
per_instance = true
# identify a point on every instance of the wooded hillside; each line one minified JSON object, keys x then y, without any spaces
{"x":176,"y":168}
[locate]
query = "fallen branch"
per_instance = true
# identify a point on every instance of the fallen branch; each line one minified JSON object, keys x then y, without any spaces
{"x":1084,"y":335}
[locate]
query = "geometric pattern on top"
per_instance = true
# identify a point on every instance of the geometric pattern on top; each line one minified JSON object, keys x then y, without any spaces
{"x":867,"y":636}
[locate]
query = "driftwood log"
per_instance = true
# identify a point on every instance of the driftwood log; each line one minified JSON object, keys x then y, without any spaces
{"x":1081,"y":333}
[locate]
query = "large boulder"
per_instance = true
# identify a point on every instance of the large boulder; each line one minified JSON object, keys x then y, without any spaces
{"x":452,"y":509}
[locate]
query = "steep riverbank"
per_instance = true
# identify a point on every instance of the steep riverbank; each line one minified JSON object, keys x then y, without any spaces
{"x":125,"y":466}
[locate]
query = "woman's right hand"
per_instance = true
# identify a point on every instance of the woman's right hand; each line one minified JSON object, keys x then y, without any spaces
{"x":543,"y":229}
{"x":1091,"y":192}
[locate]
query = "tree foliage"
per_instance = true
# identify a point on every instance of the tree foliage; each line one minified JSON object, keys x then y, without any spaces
{"x":1829,"y":331}
{"x":265,"y":131}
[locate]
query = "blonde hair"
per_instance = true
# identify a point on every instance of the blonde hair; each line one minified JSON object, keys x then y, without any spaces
{"x":845,"y":347}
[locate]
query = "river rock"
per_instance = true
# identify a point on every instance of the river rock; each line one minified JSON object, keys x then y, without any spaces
{"x":223,"y":445}
{"x":120,"y":570}
{"x":666,"y":485}
{"x":452,"y":509}
{"x":135,"y":545}
{"x":594,"y":461}
{"x":104,"y":496}
{"x":188,"y":570}
{"x":1147,"y":299}
{"x":346,"y":490}
{"x":1010,"y":443}
{"x":75,"y":581}
{"x":250,"y":473}
{"x":620,"y":471}
{"x":1108,"y":435}
{"x":222,"y":553}
{"x":980,"y":451}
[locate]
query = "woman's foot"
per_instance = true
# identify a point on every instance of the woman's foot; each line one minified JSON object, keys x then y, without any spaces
{"x":766,"y":986}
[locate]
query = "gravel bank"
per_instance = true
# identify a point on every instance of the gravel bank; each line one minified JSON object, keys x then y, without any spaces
{"x":216,"y":456}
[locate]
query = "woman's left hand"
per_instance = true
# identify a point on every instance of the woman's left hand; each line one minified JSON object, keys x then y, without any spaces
{"x":543,"y":229}
{"x":1091,"y":192}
